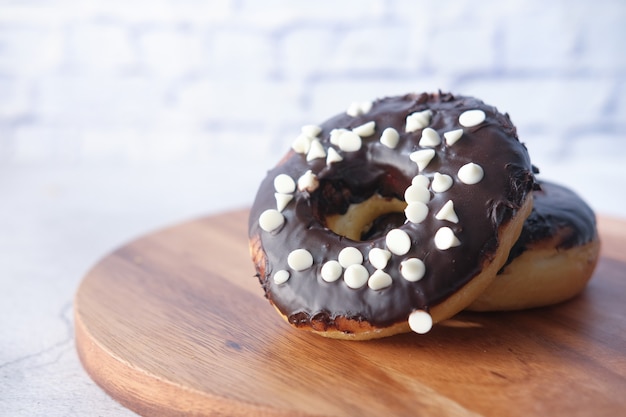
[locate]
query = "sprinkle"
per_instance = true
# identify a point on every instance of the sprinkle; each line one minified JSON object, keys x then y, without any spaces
{"x":420,"y":322}
{"x":390,"y":137}
{"x":302,"y":143}
{"x":284,"y":184}
{"x":280,"y":277}
{"x":421,"y":180}
{"x":282,"y":200}
{"x":366,"y":129}
{"x":331,"y":271}
{"x":335,"y":134}
{"x":308,"y":182}
{"x":471,"y":173}
{"x":398,"y":241}
{"x":349,"y":141}
{"x":445,"y":239}
{"x":379,"y":257}
{"x":333,"y":156}
{"x":453,"y":136}
{"x":441,"y":182}
{"x":357,"y":108}
{"x":316,"y":150}
{"x":311,"y":130}
{"x":300,"y":259}
{"x":416,"y":212}
{"x":412,"y":269}
{"x":447,"y":213}
{"x":355,"y":276}
{"x":430,"y":137}
{"x":471,"y":118}
{"x":416,"y":193}
{"x":418,"y":120}
{"x":271,"y":220}
{"x":379,"y":280}
{"x":422,"y":157}
{"x":350,"y":256}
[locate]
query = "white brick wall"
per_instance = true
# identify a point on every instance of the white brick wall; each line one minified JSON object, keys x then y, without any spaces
{"x":181,"y":81}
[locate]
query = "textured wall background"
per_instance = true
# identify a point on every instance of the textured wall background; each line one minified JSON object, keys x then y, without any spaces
{"x":121,"y":116}
{"x":121,"y":83}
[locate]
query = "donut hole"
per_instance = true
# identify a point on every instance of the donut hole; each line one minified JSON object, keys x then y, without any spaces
{"x":369,"y":219}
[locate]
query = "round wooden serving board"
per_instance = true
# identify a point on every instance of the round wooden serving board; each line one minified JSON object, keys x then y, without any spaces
{"x":175,"y":323}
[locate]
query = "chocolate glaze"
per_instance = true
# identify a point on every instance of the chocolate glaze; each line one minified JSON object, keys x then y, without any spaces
{"x":375,"y":168}
{"x":558,"y":213}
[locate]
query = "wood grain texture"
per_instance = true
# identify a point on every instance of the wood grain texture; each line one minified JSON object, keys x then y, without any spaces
{"x":175,"y":323}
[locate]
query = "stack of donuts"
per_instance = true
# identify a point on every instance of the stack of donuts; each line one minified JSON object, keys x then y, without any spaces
{"x":401,"y":212}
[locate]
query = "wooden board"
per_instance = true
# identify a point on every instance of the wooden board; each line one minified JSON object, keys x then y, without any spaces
{"x":175,"y":323}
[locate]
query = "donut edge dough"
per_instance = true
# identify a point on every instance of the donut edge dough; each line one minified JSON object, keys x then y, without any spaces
{"x":542,"y":275}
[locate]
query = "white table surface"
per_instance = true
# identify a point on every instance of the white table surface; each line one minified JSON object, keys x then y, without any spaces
{"x":55,"y":224}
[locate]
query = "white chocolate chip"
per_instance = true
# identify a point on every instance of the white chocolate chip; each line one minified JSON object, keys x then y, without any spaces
{"x":350,"y":256}
{"x":412,"y":269}
{"x":349,"y":141}
{"x":422,"y":157}
{"x":379,"y":280}
{"x":271,"y":220}
{"x":302,"y":143}
{"x":333,"y":156}
{"x":354,"y":109}
{"x":355,"y":276}
{"x":445,"y":239}
{"x":335,"y":134}
{"x":420,"y":322}
{"x":308,"y":182}
{"x":280,"y":277}
{"x":358,"y":108}
{"x":366,"y":129}
{"x":300,"y":259}
{"x":416,"y":212}
{"x":366,"y":106}
{"x":390,"y":137}
{"x":447,"y":213}
{"x":311,"y":130}
{"x":441,"y":182}
{"x":416,"y":193}
{"x":430,"y":137}
{"x":379,"y":257}
{"x":421,"y":180}
{"x":331,"y":271}
{"x":316,"y":150}
{"x":282,"y":200}
{"x":418,"y":120}
{"x":471,"y":173}
{"x":453,"y":136}
{"x":471,"y":118}
{"x":398,"y":241}
{"x":284,"y":184}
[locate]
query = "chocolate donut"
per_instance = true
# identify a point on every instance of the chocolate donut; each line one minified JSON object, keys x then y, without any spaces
{"x":391,"y":216}
{"x":554,"y":257}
